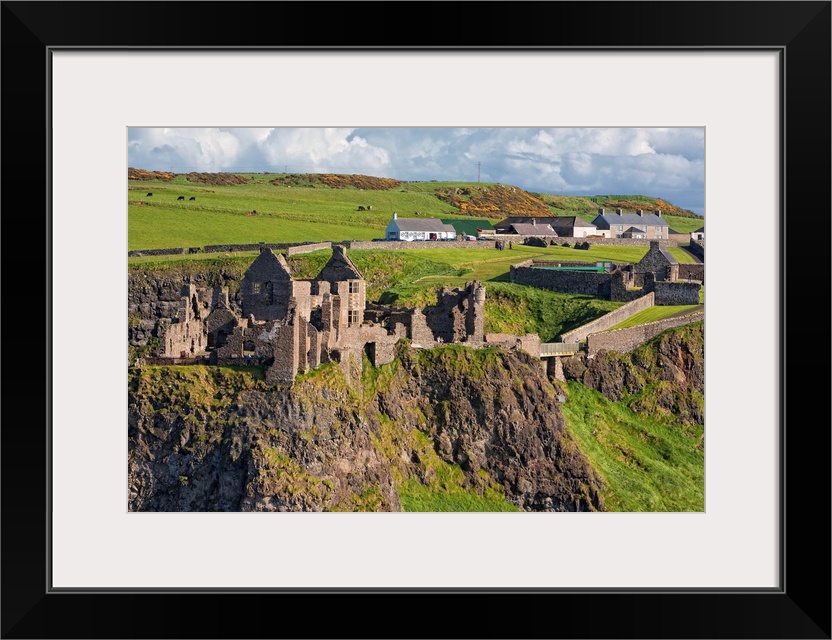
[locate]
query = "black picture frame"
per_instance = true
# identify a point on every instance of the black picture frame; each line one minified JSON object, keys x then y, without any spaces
{"x":800,"y":608}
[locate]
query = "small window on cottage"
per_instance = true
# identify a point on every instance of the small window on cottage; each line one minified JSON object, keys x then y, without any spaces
{"x":352,"y":319}
{"x":255,"y":287}
{"x":353,"y":287}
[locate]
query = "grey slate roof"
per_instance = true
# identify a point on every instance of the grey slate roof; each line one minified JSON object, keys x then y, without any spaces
{"x":568,"y":221}
{"x":609,"y":219}
{"x":424,"y":224}
{"x":700,"y":230}
{"x":533,"y":229}
{"x":505,"y":225}
{"x":634,"y":230}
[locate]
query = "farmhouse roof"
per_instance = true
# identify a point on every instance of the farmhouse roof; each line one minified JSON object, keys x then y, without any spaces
{"x":569,"y":221}
{"x":533,"y":229}
{"x":649,"y":219}
{"x":700,"y":230}
{"x":424,"y":224}
{"x":635,"y":230}
{"x":505,"y":224}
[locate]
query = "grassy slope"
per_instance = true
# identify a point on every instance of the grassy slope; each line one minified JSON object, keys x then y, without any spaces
{"x":653,"y":314}
{"x":297,"y":213}
{"x":646,"y":465}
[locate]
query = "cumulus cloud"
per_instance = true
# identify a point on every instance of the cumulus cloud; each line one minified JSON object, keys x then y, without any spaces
{"x":661,"y":162}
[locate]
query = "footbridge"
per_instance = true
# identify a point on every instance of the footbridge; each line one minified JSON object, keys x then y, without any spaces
{"x":554,"y":349}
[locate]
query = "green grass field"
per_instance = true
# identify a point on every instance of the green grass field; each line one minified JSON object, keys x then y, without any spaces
{"x":295,"y":214}
{"x":284,"y":213}
{"x":646,"y":465}
{"x":655,"y":313}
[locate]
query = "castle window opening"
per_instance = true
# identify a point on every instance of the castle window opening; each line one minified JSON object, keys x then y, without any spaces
{"x":255,"y":287}
{"x":352,"y":318}
{"x":353,"y":286}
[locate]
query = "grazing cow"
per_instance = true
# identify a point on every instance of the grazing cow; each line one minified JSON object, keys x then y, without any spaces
{"x":369,"y":207}
{"x":148,"y":195}
{"x":181,"y":198}
{"x":191,"y":199}
{"x":361,"y":208}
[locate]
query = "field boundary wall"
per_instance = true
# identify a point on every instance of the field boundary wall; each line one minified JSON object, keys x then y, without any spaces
{"x":610,"y":319}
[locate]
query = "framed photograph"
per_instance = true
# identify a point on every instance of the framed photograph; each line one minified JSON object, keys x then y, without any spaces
{"x":80,"y":77}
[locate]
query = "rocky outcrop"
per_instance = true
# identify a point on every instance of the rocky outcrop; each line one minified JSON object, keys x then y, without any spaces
{"x":663,"y":377}
{"x":216,"y":439}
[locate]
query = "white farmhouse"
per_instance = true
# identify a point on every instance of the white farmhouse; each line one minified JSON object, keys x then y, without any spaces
{"x":419,"y":229}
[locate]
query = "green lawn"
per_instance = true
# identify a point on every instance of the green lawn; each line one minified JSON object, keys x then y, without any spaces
{"x":653,"y":314}
{"x":284,"y":213}
{"x":646,"y":465}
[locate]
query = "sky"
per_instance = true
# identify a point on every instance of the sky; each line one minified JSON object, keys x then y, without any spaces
{"x":667,"y":163}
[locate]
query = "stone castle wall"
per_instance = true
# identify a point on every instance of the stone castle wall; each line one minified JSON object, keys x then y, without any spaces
{"x":624,"y":340}
{"x":697,"y":248}
{"x":695,"y":271}
{"x":582,"y":282}
{"x":610,"y":319}
{"x":677,"y":293}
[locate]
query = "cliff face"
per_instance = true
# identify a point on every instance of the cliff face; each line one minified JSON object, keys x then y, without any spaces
{"x":217,"y":439}
{"x":663,"y":377}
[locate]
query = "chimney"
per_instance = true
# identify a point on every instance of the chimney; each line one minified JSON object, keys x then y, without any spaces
{"x":658,"y":212}
{"x":394,"y":215}
{"x":263,"y":247}
{"x":534,"y":222}
{"x":618,"y":211}
{"x":639,"y":212}
{"x":600,"y":212}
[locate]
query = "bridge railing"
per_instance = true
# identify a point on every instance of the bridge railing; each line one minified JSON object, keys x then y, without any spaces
{"x":548,"y":349}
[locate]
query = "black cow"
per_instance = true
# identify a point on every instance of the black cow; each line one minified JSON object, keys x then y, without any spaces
{"x":181,"y":198}
{"x":361,"y":208}
{"x":191,"y":198}
{"x":148,"y":195}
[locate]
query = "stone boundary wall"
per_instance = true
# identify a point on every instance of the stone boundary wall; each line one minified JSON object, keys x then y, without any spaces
{"x":624,"y":340}
{"x":228,"y":248}
{"x":307,"y":248}
{"x":138,"y":253}
{"x":624,"y":242}
{"x":610,"y":319}
{"x":488,"y":243}
{"x":419,"y":244}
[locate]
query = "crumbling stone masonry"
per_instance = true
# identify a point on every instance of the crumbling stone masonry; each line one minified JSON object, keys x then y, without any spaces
{"x":293,"y":325}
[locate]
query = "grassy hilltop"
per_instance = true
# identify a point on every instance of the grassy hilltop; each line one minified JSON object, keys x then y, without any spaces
{"x":294,"y":208}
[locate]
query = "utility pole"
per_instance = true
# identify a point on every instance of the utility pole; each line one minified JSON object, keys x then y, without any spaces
{"x":478,"y":171}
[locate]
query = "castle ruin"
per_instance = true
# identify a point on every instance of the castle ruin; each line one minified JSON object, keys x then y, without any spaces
{"x":293,"y":325}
